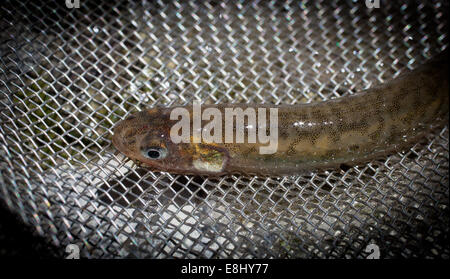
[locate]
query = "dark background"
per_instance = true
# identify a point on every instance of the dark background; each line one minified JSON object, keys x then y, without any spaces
{"x":18,"y":240}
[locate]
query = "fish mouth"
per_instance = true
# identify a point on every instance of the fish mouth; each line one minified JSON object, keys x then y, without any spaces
{"x":117,"y":141}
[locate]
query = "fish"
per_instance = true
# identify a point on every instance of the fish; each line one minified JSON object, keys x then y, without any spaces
{"x":371,"y":124}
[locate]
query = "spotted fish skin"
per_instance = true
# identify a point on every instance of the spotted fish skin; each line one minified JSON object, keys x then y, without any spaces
{"x":350,"y":130}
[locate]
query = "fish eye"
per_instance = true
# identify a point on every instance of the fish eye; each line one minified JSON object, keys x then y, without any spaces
{"x":155,"y":153}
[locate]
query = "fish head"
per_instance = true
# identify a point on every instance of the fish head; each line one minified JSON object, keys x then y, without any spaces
{"x":145,"y":137}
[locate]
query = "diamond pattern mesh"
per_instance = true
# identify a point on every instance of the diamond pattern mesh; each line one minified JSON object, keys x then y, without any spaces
{"x":68,"y":74}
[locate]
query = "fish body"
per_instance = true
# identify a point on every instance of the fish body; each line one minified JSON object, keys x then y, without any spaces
{"x":355,"y":129}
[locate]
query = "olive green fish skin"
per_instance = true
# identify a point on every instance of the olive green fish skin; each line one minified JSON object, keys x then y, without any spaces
{"x":356,"y":129}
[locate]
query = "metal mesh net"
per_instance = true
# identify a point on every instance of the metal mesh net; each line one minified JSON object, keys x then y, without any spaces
{"x":68,"y":74}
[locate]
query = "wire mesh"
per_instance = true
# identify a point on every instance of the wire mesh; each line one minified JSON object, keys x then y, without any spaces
{"x":68,"y":74}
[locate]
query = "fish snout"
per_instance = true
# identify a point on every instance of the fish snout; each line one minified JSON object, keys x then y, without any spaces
{"x":119,"y":139}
